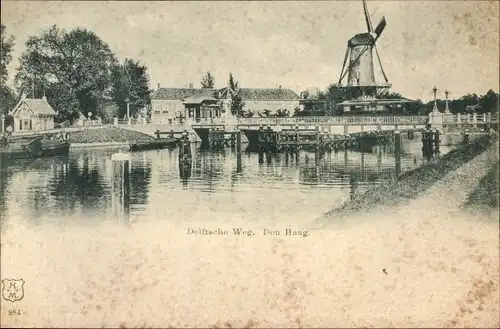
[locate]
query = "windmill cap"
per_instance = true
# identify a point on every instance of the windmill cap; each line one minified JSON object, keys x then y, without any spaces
{"x":362,"y":39}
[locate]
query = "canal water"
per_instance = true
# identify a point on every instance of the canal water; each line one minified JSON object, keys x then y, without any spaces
{"x":75,"y":190}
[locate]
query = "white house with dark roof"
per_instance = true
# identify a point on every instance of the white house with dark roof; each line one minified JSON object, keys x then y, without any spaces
{"x":33,"y":114}
{"x":169,"y":104}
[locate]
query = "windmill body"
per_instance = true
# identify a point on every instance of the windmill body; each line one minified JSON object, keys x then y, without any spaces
{"x":358,"y":70}
{"x":361,"y":71}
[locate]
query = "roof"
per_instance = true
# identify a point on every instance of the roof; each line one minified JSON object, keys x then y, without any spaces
{"x":377,"y":102}
{"x":180,"y":93}
{"x":262,"y":94}
{"x":198,"y":99}
{"x":245,"y":93}
{"x":361,"y":39}
{"x":38,"y":106}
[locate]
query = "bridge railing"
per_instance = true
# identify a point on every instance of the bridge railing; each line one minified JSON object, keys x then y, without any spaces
{"x":322,"y":120}
{"x":471,"y":118}
{"x":389,"y":120}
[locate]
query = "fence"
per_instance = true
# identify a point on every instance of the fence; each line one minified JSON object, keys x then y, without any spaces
{"x":470,"y":118}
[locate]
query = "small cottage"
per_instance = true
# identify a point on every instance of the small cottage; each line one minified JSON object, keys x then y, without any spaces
{"x":202,"y":107}
{"x":33,"y":114}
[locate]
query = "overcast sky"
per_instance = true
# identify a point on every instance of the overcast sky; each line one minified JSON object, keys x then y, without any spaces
{"x":450,"y":44}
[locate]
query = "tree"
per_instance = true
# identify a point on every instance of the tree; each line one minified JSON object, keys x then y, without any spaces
{"x":489,"y":102}
{"x":6,"y":47}
{"x":208,"y":81}
{"x":237,"y":103}
{"x":8,"y":98}
{"x":72,"y":68}
{"x":130,"y":81}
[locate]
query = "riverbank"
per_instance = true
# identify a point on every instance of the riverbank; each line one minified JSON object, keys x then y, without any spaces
{"x":412,"y":183}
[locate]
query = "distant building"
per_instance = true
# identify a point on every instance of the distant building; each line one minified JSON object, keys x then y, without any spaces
{"x":258,"y":100}
{"x":170,"y":105}
{"x":81,"y":121}
{"x":33,"y":114}
{"x":167,"y":104}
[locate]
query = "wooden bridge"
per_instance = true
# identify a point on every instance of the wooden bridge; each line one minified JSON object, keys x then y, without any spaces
{"x":332,"y":125}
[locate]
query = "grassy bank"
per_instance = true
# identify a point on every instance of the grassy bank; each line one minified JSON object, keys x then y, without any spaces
{"x":486,"y":193}
{"x":408,"y":185}
{"x":108,"y":135}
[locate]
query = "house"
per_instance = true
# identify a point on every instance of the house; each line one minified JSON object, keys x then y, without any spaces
{"x":33,"y":114}
{"x":258,"y":99}
{"x":173,"y":104}
{"x":167,"y":104}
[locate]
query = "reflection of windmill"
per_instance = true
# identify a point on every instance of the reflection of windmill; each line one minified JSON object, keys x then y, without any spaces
{"x":360,"y":71}
{"x":361,"y":85}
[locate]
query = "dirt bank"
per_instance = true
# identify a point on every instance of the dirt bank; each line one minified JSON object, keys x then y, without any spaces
{"x":108,"y":135}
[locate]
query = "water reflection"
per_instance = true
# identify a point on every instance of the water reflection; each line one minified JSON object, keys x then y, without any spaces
{"x":305,"y":183}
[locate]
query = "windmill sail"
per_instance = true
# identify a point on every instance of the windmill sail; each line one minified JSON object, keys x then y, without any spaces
{"x":367,"y":17}
{"x":380,"y":27}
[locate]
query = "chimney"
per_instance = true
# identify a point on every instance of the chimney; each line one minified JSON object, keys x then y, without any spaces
{"x":190,"y":86}
{"x":279,"y":86}
{"x":158,"y":84}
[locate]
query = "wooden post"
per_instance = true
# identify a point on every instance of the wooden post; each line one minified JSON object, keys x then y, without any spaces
{"x":426,"y":143}
{"x":296,"y":137}
{"x":185,"y":149}
{"x":158,"y":133}
{"x":261,"y":137}
{"x":238,"y":141}
{"x":436,"y":141}
{"x":397,"y":151}
{"x":317,"y":137}
{"x":120,"y":197}
{"x":466,"y":137}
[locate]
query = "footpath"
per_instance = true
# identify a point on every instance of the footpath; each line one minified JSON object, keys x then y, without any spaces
{"x":443,"y":254}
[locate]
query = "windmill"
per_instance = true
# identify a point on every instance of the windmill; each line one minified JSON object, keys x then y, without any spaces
{"x":359,"y":56}
{"x":358,"y":66}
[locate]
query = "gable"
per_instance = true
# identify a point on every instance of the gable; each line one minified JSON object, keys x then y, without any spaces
{"x":23,"y":110}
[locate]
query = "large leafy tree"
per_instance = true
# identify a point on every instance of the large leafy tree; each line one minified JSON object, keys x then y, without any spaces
{"x":7,"y":96}
{"x":237,"y":103}
{"x":6,"y":47}
{"x":130,"y":81}
{"x":73,"y":69}
{"x":208,"y":81}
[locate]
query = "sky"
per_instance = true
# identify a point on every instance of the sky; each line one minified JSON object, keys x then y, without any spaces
{"x":299,"y":45}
